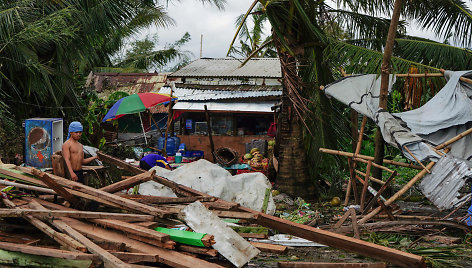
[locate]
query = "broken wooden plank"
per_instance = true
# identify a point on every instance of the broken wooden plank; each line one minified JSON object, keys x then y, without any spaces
{"x":329,"y":265}
{"x":198,"y":250}
{"x":49,"y":252}
{"x":366,"y":184}
{"x":355,"y":228}
{"x":133,"y":257}
{"x":160,"y":239}
{"x":63,"y":239}
{"x":74,"y":214}
{"x":96,"y":193}
{"x":19,"y":259}
{"x":379,"y":193}
{"x":128,"y":183}
{"x":167,"y":200}
{"x":73,"y":200}
{"x":252,"y":235}
{"x":178,"y":189}
{"x":386,"y":209}
{"x":154,"y":242}
{"x":27,"y":187}
{"x":169,"y":257}
{"x":364,"y":248}
{"x":40,"y":183}
{"x":108,"y":259}
{"x":272,"y":248}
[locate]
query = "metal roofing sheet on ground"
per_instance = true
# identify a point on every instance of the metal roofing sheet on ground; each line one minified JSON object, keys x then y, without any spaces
{"x":208,"y":67}
{"x":191,"y":94}
{"x":260,"y":107}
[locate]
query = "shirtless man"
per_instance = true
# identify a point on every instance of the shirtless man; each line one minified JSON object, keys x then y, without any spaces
{"x":73,"y":152}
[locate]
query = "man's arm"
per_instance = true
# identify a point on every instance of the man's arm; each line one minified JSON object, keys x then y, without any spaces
{"x":66,"y":155}
{"x":88,"y":160}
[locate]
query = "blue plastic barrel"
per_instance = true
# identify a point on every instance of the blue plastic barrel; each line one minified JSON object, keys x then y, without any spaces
{"x":170,"y":148}
{"x":177,"y":142}
{"x":160,"y":142}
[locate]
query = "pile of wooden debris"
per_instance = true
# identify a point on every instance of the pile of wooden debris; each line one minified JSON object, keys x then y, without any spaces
{"x":139,"y":230}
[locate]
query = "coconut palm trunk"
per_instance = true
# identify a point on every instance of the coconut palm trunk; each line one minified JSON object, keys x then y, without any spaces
{"x":293,"y":177}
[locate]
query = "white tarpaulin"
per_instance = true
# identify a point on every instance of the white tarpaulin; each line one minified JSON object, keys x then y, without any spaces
{"x":248,"y":189}
{"x":446,"y":115}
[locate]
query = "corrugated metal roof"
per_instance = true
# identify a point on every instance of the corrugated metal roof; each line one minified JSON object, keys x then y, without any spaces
{"x":192,"y":94}
{"x":209,"y":67}
{"x":447,"y":177}
{"x":259,"y":107}
{"x":230,"y":87}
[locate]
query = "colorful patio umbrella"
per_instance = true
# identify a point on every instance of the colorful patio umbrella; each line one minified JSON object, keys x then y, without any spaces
{"x":136,"y":103}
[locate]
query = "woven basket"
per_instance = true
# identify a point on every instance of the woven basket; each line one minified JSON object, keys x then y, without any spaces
{"x":226,"y":156}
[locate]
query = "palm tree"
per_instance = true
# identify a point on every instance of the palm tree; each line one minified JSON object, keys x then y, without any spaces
{"x":310,"y":58}
{"x":143,"y":55}
{"x":253,"y":41}
{"x":47,"y":48}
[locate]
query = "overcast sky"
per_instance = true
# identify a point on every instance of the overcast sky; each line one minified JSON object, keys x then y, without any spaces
{"x":217,"y":26}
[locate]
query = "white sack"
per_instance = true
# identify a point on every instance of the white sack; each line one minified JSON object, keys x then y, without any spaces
{"x":248,"y":189}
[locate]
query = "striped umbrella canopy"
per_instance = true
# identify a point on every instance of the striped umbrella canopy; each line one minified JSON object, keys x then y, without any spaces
{"x":136,"y":103}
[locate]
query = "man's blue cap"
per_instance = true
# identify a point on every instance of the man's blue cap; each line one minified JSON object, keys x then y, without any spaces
{"x":75,"y":127}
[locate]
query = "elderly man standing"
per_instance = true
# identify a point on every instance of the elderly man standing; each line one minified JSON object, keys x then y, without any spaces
{"x":73,"y":152}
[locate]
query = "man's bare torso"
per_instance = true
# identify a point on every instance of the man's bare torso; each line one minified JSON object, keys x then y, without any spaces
{"x":76,"y":154}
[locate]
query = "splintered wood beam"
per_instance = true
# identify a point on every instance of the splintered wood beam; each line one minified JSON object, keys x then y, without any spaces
{"x":73,"y":200}
{"x":178,"y":189}
{"x":129,"y":228}
{"x":329,"y":265}
{"x":131,"y":257}
{"x":339,"y":241}
{"x":40,"y":183}
{"x":150,"y":241}
{"x":269,"y":247}
{"x":170,"y":257}
{"x":74,"y":214}
{"x":198,"y":250}
{"x":49,"y":252}
{"x":379,"y":193}
{"x":108,"y":259}
{"x":128,"y":183}
{"x":117,"y":201}
{"x":63,"y":239}
{"x":167,"y":200}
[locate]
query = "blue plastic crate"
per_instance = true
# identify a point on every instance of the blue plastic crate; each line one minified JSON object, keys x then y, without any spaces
{"x":193,"y":153}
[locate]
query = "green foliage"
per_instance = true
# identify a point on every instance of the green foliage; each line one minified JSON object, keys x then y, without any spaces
{"x":253,"y":40}
{"x":143,"y":54}
{"x":96,"y":110}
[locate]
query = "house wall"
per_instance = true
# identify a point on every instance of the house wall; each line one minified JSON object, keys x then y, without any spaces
{"x":237,"y":143}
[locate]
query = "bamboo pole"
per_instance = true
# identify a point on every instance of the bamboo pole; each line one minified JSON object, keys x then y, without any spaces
{"x":399,"y":193}
{"x":456,"y":138}
{"x":416,"y":159}
{"x":386,"y":161}
{"x":356,"y":152}
{"x":371,"y":178}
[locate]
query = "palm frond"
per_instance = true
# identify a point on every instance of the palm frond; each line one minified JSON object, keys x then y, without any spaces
{"x":434,"y":54}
